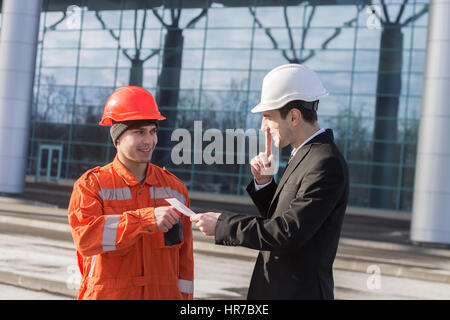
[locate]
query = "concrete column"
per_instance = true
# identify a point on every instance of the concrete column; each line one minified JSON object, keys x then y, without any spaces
{"x":431,"y":207}
{"x":18,"y":46}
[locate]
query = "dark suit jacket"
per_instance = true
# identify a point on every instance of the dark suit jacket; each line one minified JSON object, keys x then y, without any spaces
{"x":299,"y":227}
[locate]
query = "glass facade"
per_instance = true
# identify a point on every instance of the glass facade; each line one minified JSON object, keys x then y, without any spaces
{"x":206,"y":61}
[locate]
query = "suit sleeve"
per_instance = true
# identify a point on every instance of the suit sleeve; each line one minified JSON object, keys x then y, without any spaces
{"x":93,"y":232}
{"x":262,"y":197}
{"x":186,"y":260}
{"x":318,"y":195}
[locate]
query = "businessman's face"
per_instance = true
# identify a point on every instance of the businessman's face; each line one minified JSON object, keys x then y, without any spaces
{"x":280,"y":129}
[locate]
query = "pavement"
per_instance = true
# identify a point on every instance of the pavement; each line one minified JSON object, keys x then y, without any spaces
{"x":371,"y":242}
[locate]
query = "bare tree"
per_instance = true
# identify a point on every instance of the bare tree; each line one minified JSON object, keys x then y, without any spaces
{"x":389,"y":84}
{"x":293,"y":55}
{"x":53,"y":104}
{"x":353,"y":137}
{"x":137,"y":63}
{"x":168,"y":85}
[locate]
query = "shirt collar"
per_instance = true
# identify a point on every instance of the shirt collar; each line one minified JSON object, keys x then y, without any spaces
{"x":125,"y":174}
{"x":294,"y":151}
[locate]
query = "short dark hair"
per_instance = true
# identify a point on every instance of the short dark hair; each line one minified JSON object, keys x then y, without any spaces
{"x":309,"y":115}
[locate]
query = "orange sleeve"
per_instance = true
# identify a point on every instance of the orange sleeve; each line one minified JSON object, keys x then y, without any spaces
{"x":187,"y":258}
{"x":93,"y":232}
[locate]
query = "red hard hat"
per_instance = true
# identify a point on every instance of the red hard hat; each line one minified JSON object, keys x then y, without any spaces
{"x":130,"y":103}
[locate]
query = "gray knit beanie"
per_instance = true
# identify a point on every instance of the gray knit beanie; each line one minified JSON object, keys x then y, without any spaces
{"x":118,"y":128}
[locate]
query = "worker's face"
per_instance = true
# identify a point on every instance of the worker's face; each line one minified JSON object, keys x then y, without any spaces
{"x":137,"y":145}
{"x":279,"y":128}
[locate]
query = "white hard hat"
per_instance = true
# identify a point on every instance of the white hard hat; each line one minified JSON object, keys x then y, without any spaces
{"x":289,"y":82}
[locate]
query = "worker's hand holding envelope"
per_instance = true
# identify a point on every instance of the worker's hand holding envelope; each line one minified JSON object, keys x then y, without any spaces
{"x":165,"y":218}
{"x":179,"y":206}
{"x":206,"y":222}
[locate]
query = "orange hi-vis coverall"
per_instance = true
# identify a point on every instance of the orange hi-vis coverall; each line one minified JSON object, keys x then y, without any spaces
{"x":121,"y":253}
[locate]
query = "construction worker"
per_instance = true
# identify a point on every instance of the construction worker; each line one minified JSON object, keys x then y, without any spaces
{"x":130,"y":243}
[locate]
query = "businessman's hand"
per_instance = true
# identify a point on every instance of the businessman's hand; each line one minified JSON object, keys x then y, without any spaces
{"x":262,"y":166}
{"x":165,"y":218}
{"x":206,"y":222}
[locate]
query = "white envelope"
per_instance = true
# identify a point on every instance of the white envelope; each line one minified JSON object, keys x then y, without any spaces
{"x":174,"y":202}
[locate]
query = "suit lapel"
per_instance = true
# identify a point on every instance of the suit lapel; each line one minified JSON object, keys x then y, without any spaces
{"x":325,"y":137}
{"x":290,"y":168}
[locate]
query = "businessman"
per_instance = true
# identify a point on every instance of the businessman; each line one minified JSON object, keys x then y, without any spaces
{"x":301,"y":216}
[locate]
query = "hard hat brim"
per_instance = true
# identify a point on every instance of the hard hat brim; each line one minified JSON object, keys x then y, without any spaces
{"x":107,"y":121}
{"x":274,"y":105}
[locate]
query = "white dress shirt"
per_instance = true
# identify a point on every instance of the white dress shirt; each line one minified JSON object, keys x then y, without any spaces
{"x":293,"y":152}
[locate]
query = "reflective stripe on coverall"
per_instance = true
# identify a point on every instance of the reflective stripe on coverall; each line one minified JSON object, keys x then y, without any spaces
{"x":121,"y":253}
